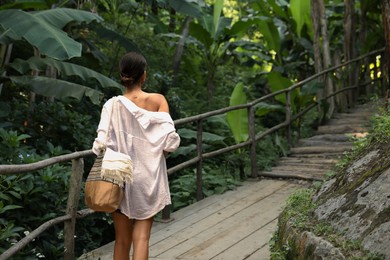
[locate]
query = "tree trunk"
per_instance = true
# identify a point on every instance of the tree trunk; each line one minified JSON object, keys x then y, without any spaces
{"x":180,"y":47}
{"x":315,"y":13}
{"x":386,"y":23}
{"x":349,"y":41}
{"x":32,"y":95}
{"x":180,"y":44}
{"x":362,"y":38}
{"x":317,"y":50}
{"x":322,"y":55}
{"x":341,"y":100}
{"x":51,"y":72}
{"x":326,"y":55}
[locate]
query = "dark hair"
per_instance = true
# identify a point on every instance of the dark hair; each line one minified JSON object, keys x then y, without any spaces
{"x":132,"y":66}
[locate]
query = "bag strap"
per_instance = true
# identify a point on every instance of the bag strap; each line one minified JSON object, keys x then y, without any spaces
{"x":109,"y":120}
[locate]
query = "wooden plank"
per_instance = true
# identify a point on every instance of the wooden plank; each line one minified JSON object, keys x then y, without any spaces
{"x":184,"y":229}
{"x":102,"y":253}
{"x":311,"y":166}
{"x":302,"y":167}
{"x":233,"y":230}
{"x":193,"y":241}
{"x":340,"y":129}
{"x":309,"y":142}
{"x":188,"y":216}
{"x":366,"y":115}
{"x":307,"y":160}
{"x":335,"y":156}
{"x":191,"y":215}
{"x":254,"y":246}
{"x":246,"y":187}
{"x":320,"y":149}
{"x":294,"y":175}
{"x":352,"y":121}
{"x":329,"y":137}
{"x":261,"y":254}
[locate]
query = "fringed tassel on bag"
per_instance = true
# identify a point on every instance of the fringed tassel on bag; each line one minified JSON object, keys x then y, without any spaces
{"x":117,"y":167}
{"x":117,"y":177}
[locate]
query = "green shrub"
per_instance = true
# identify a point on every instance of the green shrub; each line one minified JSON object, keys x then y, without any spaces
{"x":27,"y":200}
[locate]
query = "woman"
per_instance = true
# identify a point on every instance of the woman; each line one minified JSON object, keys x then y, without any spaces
{"x":142,"y":128}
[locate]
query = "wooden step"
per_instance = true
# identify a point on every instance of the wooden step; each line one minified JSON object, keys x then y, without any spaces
{"x":320,"y":149}
{"x":359,"y":114}
{"x":341,"y":129}
{"x":314,"y":176}
{"x":313,"y":160}
{"x":308,"y":142}
{"x":330,"y":137}
{"x":334,"y":156}
{"x":302,"y":167}
{"x":352,"y":121}
{"x":305,"y":166}
{"x":313,"y":157}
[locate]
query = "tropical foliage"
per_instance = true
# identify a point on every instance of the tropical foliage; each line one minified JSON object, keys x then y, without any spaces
{"x":58,"y":64}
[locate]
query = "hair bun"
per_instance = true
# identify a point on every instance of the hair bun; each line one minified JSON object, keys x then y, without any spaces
{"x":125,"y":79}
{"x":132,"y":66}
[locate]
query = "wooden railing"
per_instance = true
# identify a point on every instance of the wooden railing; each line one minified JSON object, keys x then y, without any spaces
{"x":78,"y":163}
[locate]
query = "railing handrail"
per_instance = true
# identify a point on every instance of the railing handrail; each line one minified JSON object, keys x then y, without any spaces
{"x":22,"y":168}
{"x":79,"y":155}
{"x":289,"y":89}
{"x":29,"y":167}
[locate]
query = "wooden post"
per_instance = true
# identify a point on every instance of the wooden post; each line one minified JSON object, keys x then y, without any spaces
{"x":354,"y":75}
{"x":382,"y":82}
{"x":288,"y":118}
{"x":252,"y":138}
{"x":71,"y":208}
{"x":199,"y":148}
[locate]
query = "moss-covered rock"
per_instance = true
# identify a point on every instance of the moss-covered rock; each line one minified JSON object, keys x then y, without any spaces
{"x":348,"y":217}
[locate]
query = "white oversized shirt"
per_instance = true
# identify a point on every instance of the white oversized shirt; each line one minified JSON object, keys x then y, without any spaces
{"x":144,"y":136}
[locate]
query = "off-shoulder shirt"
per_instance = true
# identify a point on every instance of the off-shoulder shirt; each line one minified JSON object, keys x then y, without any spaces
{"x":144,"y":136}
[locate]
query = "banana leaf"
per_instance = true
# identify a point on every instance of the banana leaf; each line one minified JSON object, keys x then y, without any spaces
{"x":238,"y":119}
{"x":278,"y":82}
{"x":186,"y":7}
{"x":300,"y":10}
{"x":43,"y":29}
{"x":50,"y":87}
{"x":64,"y":68}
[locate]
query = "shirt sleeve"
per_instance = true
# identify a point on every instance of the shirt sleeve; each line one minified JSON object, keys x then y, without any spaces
{"x":172,"y":142}
{"x":100,"y":141}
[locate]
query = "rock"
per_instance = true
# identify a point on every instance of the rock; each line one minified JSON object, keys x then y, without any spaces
{"x":356,"y":204}
{"x":378,"y":240}
{"x":317,"y":248}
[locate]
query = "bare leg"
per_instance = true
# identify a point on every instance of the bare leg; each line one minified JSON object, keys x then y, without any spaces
{"x":141,"y":235}
{"x":123,"y":236}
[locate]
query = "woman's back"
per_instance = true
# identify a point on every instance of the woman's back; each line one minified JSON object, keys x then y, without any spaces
{"x":148,"y":101}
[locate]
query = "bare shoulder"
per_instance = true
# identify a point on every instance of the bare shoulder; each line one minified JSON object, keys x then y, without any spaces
{"x":159,"y":102}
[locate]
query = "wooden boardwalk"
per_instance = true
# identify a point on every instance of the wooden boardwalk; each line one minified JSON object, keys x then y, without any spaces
{"x":239,"y":224}
{"x":235,"y":225}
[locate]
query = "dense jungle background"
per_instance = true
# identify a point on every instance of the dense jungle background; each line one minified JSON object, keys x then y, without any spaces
{"x":58,"y":65}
